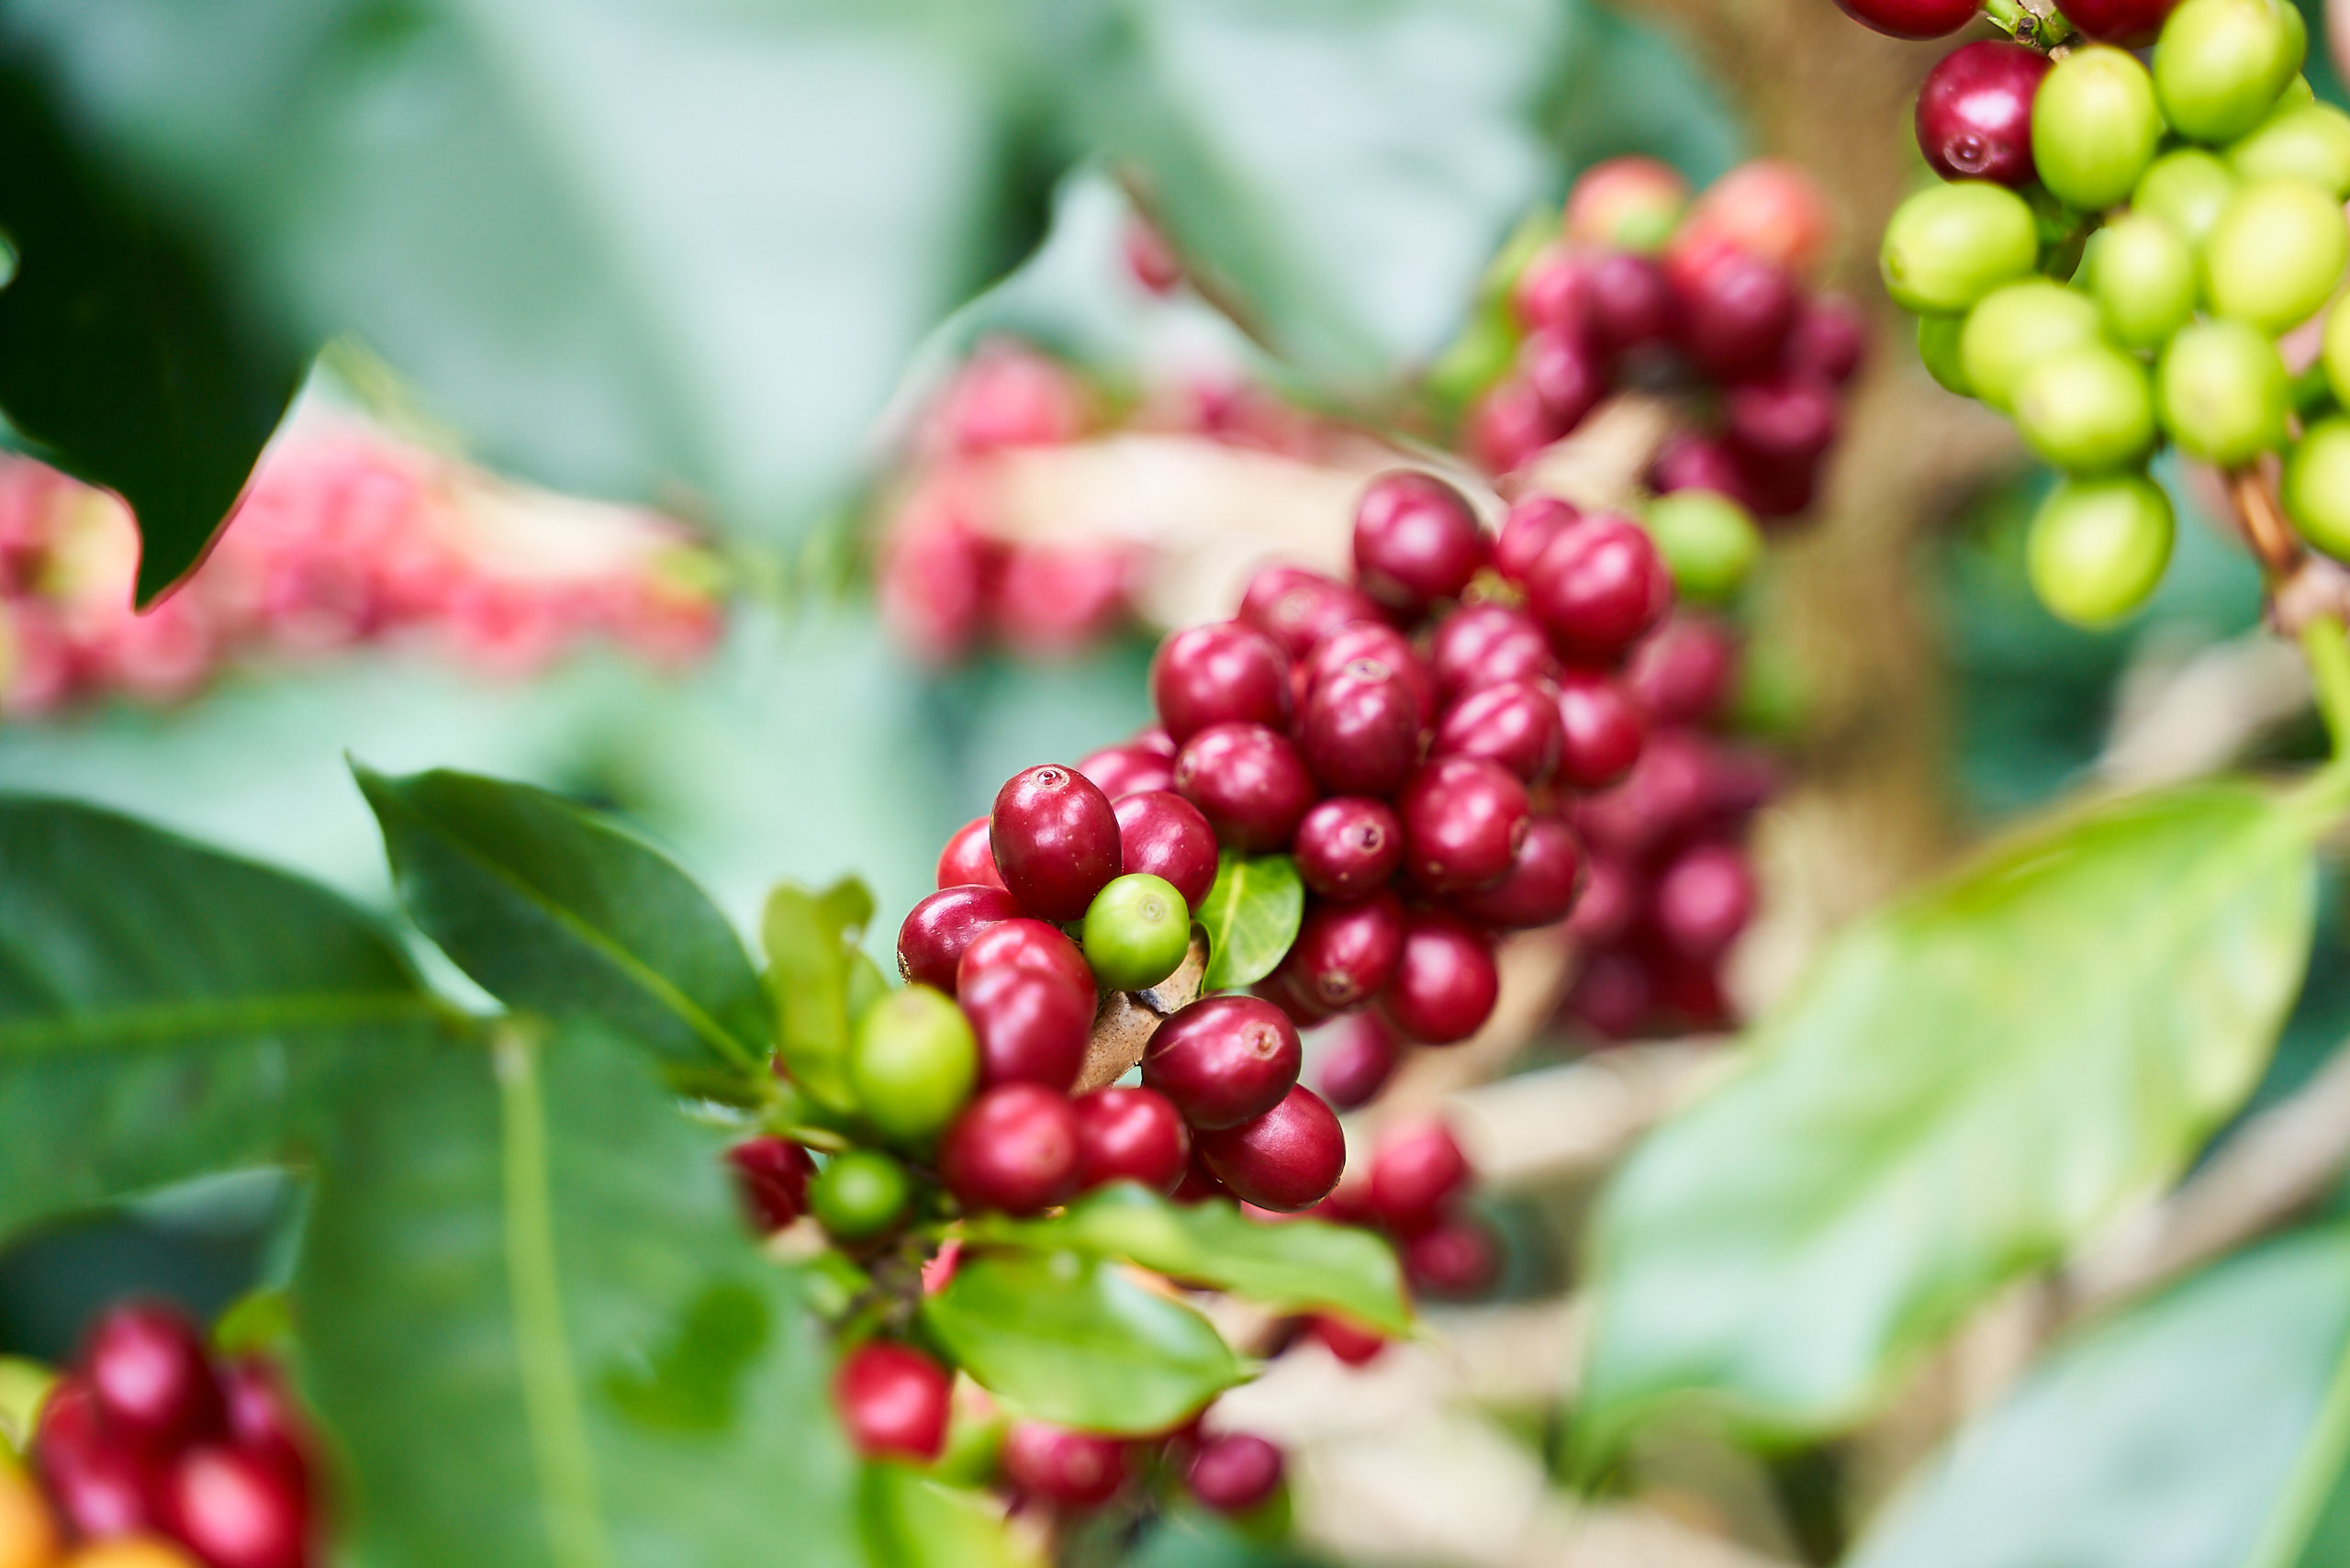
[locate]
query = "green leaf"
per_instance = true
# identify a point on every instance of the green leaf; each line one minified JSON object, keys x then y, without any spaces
{"x":1294,"y":1266}
{"x":532,"y":1319}
{"x":819,"y":981}
{"x":166,"y":1010}
{"x":557,"y":910}
{"x":1966,"y":1084}
{"x":1064,"y":1338}
{"x":1251,"y":917}
{"x":913,"y":1521}
{"x":2170,"y":1436}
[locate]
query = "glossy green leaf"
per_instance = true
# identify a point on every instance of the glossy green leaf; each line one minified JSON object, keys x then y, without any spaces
{"x":557,"y":910}
{"x":913,"y":1520}
{"x":167,"y":1011}
{"x":2170,"y":1436}
{"x":1965,"y":1085}
{"x":819,"y":981}
{"x":542,"y":1336}
{"x":1296,"y":1265}
{"x":1063,"y":1336}
{"x":1252,"y":915}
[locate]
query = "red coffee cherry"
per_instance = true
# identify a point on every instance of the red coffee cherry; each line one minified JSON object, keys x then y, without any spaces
{"x":1223,"y":1059}
{"x":1974,"y":112}
{"x":2132,"y":24}
{"x":1234,"y":1471}
{"x":1464,"y":819}
{"x":1540,"y":886}
{"x":1028,"y":944}
{"x":1788,"y":422}
{"x":1666,"y":793}
{"x":1130,"y":1135}
{"x":1248,"y":781}
{"x":1199,"y":1184}
{"x":1285,"y":1160}
{"x":1350,"y":1343}
{"x":1614,"y":994}
{"x":1509,"y":424}
{"x":771,"y":1176}
{"x":1454,"y":1259}
{"x":148,"y":1369}
{"x":1155,"y":740}
{"x":1608,"y":904}
{"x":1360,"y":730}
{"x":1704,"y":899}
{"x":1600,"y":730}
{"x":935,"y":931}
{"x":1445,"y":985}
{"x":1031,"y":1027}
{"x":1349,"y":847}
{"x":1598,"y":587}
{"x":1683,"y":672}
{"x":1515,"y":723}
{"x":1126,"y":769}
{"x":1486,"y":644}
{"x":1357,"y":1064}
{"x":1164,"y":834}
{"x":1072,"y":1470}
{"x":1552,"y":291}
{"x":1297,"y":607}
{"x":1416,"y":540}
{"x":1526,"y":532}
{"x":1565,"y":372}
{"x":265,"y":1419}
{"x":1631,"y":306}
{"x":893,"y":1401}
{"x":1691,"y":462}
{"x":967,"y":861}
{"x":1346,"y":952}
{"x":1376,"y":641}
{"x":235,"y":1509}
{"x":1221,"y":673}
{"x":103,"y":1486}
{"x":1281,"y":989}
{"x":1911,"y":19}
{"x":1736,"y":312}
{"x":1830,"y":341}
{"x":1055,"y":839}
{"x":1013,"y":1149}
{"x":1414,"y":1173}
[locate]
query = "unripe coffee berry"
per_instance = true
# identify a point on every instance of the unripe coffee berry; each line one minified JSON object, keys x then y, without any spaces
{"x":1054,"y":838}
{"x":2317,"y":486}
{"x":1947,"y":246}
{"x":1130,"y":1135}
{"x":1014,"y":1149}
{"x":1031,"y":1027}
{"x":771,"y":1178}
{"x":1225,"y":672}
{"x":2098,"y":546}
{"x":1709,"y":543}
{"x":893,"y":1401}
{"x":1163,"y":834}
{"x":2187,"y":188}
{"x":1445,"y":984}
{"x":1234,"y":1471}
{"x":1285,"y":1160}
{"x":1627,"y":203}
{"x":2220,"y":64}
{"x":1414,"y":1173}
{"x":1599,"y":588}
{"x":2088,"y":409}
{"x":2094,"y":127}
{"x":1137,"y":931}
{"x":1463,"y":821}
{"x":1974,"y":112}
{"x":2223,"y":392}
{"x":1416,"y":540}
{"x":967,"y":861}
{"x":2310,"y":143}
{"x":1346,"y":952}
{"x":860,"y":1194}
{"x":913,"y":1062}
{"x":2274,"y":253}
{"x":2016,"y":326}
{"x":1347,"y":847}
{"x":1223,"y":1059}
{"x":2143,"y":276}
{"x":1248,"y":781}
{"x":932,"y":939}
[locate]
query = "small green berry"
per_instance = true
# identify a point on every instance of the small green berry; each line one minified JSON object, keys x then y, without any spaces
{"x":2274,"y":254}
{"x":2099,"y":546}
{"x":2223,"y":392}
{"x":2220,"y":65}
{"x":2317,"y":486}
{"x":2086,"y":410}
{"x":2336,"y":354}
{"x":2094,"y":127}
{"x":913,"y":1062}
{"x":2310,"y":143}
{"x":1937,"y":348}
{"x":2186,"y":189}
{"x":859,"y":1194}
{"x":1709,"y":543}
{"x":1136,"y":932}
{"x":1947,"y":247}
{"x":2015,"y":328}
{"x":2142,"y":277}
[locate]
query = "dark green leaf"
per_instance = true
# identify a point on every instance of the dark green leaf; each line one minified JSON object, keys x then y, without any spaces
{"x":1251,"y":917}
{"x":913,"y":1521}
{"x":1965,"y":1085}
{"x":532,"y":1319}
{"x":1296,"y":1265}
{"x":555,"y":909}
{"x":1064,"y":1338}
{"x":819,"y":981}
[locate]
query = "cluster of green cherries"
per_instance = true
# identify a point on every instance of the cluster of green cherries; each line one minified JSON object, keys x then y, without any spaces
{"x":2187,"y":214}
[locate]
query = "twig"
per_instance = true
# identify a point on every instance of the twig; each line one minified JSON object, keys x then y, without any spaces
{"x":2273,"y":542}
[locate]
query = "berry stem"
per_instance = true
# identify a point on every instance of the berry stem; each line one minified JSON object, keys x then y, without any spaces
{"x":2271,"y":537}
{"x":2031,"y":23}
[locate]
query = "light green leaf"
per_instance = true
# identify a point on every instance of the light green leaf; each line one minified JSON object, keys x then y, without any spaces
{"x":913,"y":1521}
{"x":1966,"y":1084}
{"x":820,"y":981}
{"x":557,"y":910}
{"x":1064,"y":1338}
{"x":1252,"y":915}
{"x":1295,"y":1265}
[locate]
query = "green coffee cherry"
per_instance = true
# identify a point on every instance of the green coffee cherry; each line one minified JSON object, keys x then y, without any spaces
{"x":2222,"y":393}
{"x":2220,"y":65}
{"x":1709,"y":543}
{"x":2099,"y":547}
{"x":2094,"y":127}
{"x":2336,"y":354}
{"x":2310,"y":143}
{"x":2142,"y":277}
{"x":859,"y":1194}
{"x":2317,"y":486}
{"x":1937,"y":340}
{"x":2186,"y":189}
{"x":1137,"y":931}
{"x":2274,"y":254}
{"x":2016,"y":326}
{"x":1949,"y":246}
{"x":2087,"y":408}
{"x":913,"y":1062}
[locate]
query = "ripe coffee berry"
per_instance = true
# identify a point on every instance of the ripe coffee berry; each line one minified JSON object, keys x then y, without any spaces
{"x":1031,"y":1027}
{"x":1911,"y":19}
{"x":1136,"y":932}
{"x":1416,"y":540}
{"x":935,"y":932}
{"x":1509,"y":424}
{"x":1560,"y":364}
{"x":1297,"y":607}
{"x":1361,"y":729}
{"x":1487,"y":644}
{"x":913,"y":1062}
{"x":1073,"y":1470}
{"x":894,"y":1400}
{"x":1234,"y":1471}
{"x":150,"y":1375}
{"x":1514,"y":723}
{"x":2132,"y":24}
{"x":771,"y":1175}
{"x":1736,"y":313}
{"x":1126,"y":769}
{"x":1526,"y":532}
{"x":1974,"y":112}
{"x":859,"y":1194}
{"x":1223,"y":1059}
{"x":1445,"y":983}
{"x":1343,"y":953}
{"x":234,"y":1509}
{"x":1684,"y":672}
{"x":967,"y":861}
{"x":1248,"y":781}
{"x":103,"y":1486}
{"x":1539,"y":886}
{"x":1014,"y":1149}
{"x":1347,"y":847}
{"x":1357,"y":1064}
{"x":1130,"y":1135}
{"x":1691,"y":462}
{"x":1598,"y":587}
{"x":1551,"y":291}
{"x":1353,"y":1345}
{"x":1285,"y":1160}
{"x":264,"y":1419}
{"x":1028,"y":944}
{"x":1631,"y":306}
{"x":1055,"y":839}
{"x":1163,"y":834}
{"x":1704,"y":899}
{"x":1463,"y":821}
{"x":1830,"y":341}
{"x":1414,"y":1173}
{"x":1222,"y":673}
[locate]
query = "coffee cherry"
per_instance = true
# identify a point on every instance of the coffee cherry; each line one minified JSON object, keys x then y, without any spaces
{"x":1526,"y":532}
{"x":2016,"y":328}
{"x":1347,"y":847}
{"x":1445,"y":984}
{"x":2274,"y":253}
{"x":1487,"y":644}
{"x":1684,"y":672}
{"x":1551,"y":291}
{"x":1911,"y":18}
{"x":860,"y":1194}
{"x":2334,"y":352}
{"x":1281,"y":988}
{"x":2220,"y":64}
{"x":1297,"y":607}
{"x":1456,"y":1259}
{"x":102,"y":1486}
{"x":1709,"y":544}
{"x":2132,"y":24}
{"x":234,"y":1509}
{"x":1539,"y":886}
{"x":1667,"y":792}
{"x":2088,"y":409}
{"x":1829,"y":340}
{"x":1356,"y":1063}
{"x":1767,"y":207}
{"x":1137,"y":931}
{"x":1361,"y":729}
{"x":1130,"y":1135}
{"x":1031,"y":1027}
{"x":2098,"y":546}
{"x":1416,"y":1171}
{"x":1380,"y":644}
{"x":1285,"y":1160}
{"x":1704,"y":899}
{"x":1416,"y":540}
{"x":1248,"y":781}
{"x":1119,"y":772}
{"x":1611,"y":902}
{"x":1234,"y":1471}
{"x":2317,"y":485}
{"x":265,"y":1419}
{"x":2143,"y":276}
{"x":1345,"y":952}
{"x":1223,"y":1059}
{"x":1566,"y":374}
{"x":771,"y":1176}
{"x":1974,"y":112}
{"x":1463,"y":819}
{"x":1014,"y":1149}
{"x":1353,"y":1345}
{"x":1947,"y":246}
{"x":2310,"y":143}
{"x":1515,"y":723}
{"x":1509,"y":424}
{"x":1225,"y":672}
{"x":148,"y":1369}
{"x":894,"y":1400}
{"x":967,"y":861}
{"x":1938,"y":346}
{"x":932,"y":939}
{"x":2094,"y":127}
{"x":1055,"y":839}
{"x":1028,"y":944}
{"x":1626,"y":204}
{"x":1601,"y":732}
{"x":1631,"y":304}
{"x":2187,"y":188}
{"x":1163,"y":834}
{"x":912,"y":1061}
{"x":1735,"y":315}
{"x":2224,"y":394}
{"x":1155,"y":740}
{"x":1598,"y":587}
{"x":1070,"y":1470}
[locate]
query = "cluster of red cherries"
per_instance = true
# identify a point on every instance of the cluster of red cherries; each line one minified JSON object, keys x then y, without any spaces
{"x":148,"y":1439}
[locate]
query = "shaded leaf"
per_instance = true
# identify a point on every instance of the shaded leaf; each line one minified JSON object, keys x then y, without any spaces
{"x":820,"y":981}
{"x":1252,"y":915}
{"x":913,"y":1521}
